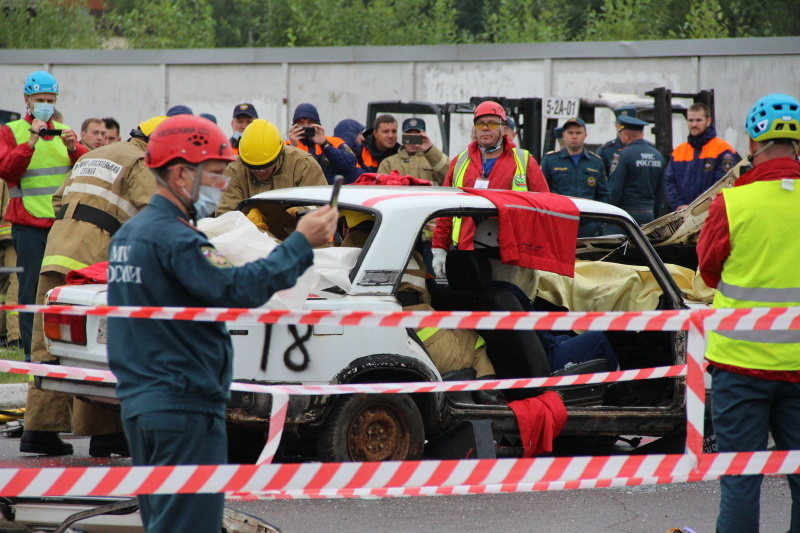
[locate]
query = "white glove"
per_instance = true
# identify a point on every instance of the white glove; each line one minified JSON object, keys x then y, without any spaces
{"x":439,"y":257}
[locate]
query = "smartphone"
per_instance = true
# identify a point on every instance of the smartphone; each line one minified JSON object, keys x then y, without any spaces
{"x":309,"y":131}
{"x":54,"y":133}
{"x":337,"y":185}
{"x":410,"y":138}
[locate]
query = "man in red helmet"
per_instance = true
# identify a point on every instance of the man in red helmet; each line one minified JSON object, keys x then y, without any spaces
{"x":491,"y":161}
{"x":174,"y":376}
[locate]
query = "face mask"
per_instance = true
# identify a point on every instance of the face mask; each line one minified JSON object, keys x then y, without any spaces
{"x":237,"y":135}
{"x":207,"y":201}
{"x":43,"y":111}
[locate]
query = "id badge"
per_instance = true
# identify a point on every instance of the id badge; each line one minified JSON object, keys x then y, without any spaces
{"x":481,"y":183}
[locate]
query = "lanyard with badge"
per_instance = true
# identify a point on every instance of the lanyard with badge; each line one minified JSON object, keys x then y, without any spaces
{"x":483,"y":181}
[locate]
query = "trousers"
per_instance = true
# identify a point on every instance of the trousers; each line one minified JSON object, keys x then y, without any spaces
{"x":178,"y":438}
{"x":744,"y":409}
{"x":29,"y":242}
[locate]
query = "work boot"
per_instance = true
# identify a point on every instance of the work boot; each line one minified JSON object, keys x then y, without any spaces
{"x":489,"y":397}
{"x":44,"y":443}
{"x":105,"y":445}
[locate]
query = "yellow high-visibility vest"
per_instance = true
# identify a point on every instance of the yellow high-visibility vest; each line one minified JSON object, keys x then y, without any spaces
{"x":45,"y":173}
{"x":761,"y":271}
{"x":519,"y":183}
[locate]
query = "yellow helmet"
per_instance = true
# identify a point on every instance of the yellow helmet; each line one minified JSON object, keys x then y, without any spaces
{"x":261,"y":144}
{"x":354,"y":218}
{"x":150,"y":124}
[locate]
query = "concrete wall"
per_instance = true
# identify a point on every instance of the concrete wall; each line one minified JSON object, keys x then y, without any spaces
{"x":136,"y":84}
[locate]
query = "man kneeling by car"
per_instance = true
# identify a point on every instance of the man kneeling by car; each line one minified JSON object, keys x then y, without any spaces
{"x":450,"y":349}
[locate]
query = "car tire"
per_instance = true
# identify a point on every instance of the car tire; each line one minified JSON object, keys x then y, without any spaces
{"x":372,"y":427}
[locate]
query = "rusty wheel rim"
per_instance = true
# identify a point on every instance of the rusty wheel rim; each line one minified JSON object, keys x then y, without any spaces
{"x":379,"y":432}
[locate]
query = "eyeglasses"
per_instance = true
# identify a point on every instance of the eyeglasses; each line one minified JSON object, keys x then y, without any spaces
{"x":219,"y":181}
{"x":491,"y":125}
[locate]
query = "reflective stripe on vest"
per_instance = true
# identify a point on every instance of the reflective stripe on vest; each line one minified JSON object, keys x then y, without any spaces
{"x":518,"y":183}
{"x":5,"y":230}
{"x":426,"y":333}
{"x":45,"y":174}
{"x":63,"y":261}
{"x":761,"y":271}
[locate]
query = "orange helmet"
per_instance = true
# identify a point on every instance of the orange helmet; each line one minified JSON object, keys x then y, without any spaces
{"x":192,"y":138}
{"x":490,"y":108}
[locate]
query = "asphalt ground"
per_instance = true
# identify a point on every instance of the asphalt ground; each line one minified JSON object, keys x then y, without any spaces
{"x":643,"y":509}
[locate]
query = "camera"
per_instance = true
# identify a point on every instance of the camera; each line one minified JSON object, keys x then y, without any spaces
{"x":44,"y":132}
{"x":309,"y":131}
{"x":410,"y":138}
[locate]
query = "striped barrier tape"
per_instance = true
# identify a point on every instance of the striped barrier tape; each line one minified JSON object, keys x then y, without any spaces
{"x":436,"y":477}
{"x":106,"y":376}
{"x":390,"y":478}
{"x":773,"y":318}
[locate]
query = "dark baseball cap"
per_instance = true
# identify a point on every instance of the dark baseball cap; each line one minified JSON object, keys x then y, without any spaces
{"x":413,"y":124}
{"x":574,"y":121}
{"x":245,"y":109}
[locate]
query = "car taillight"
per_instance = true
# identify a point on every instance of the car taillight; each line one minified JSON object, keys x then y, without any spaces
{"x":65,"y":328}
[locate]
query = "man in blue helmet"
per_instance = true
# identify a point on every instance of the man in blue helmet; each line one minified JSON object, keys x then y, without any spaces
{"x":746,"y":252}
{"x":34,"y":164}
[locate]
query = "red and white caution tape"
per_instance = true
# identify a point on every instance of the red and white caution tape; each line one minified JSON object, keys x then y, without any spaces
{"x":105,"y":376}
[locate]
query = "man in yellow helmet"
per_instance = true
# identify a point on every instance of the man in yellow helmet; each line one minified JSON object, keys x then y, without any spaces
{"x":265,"y":163}
{"x":104,"y":189}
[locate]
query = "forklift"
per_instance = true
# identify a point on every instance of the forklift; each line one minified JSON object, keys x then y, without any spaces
{"x":527,"y":113}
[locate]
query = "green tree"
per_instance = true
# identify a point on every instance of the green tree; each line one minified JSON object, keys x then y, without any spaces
{"x":624,"y":20}
{"x":705,"y":20}
{"x":42,"y":25}
{"x":524,"y":21}
{"x":166,"y":24}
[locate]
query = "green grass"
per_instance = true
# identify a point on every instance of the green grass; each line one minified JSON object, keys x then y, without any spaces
{"x":12,"y":355}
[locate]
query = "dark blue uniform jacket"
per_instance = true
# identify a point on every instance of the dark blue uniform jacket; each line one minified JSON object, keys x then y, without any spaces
{"x":586,"y":180}
{"x":636,"y":182}
{"x":158,"y":259}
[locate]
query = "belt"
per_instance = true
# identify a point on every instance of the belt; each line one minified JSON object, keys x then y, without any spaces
{"x":92,"y":215}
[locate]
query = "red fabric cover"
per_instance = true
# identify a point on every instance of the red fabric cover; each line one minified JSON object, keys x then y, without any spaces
{"x":540,"y":420}
{"x":393,"y":178}
{"x":536,"y":230}
{"x":93,"y":274}
{"x":500,"y":177}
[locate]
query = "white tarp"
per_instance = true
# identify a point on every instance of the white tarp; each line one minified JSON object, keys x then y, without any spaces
{"x":241,"y":242}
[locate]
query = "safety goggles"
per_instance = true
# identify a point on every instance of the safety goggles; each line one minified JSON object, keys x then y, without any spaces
{"x":218,"y":181}
{"x":491,"y":125}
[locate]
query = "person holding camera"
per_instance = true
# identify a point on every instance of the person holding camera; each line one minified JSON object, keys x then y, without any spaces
{"x":35,"y":155}
{"x":418,"y":157}
{"x":332,"y":153}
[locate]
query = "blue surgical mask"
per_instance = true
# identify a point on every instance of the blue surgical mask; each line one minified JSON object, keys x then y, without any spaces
{"x":207,"y":201}
{"x":43,"y":111}
{"x":237,"y":135}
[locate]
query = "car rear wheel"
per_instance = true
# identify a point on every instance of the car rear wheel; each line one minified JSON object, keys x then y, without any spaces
{"x":372,"y":427}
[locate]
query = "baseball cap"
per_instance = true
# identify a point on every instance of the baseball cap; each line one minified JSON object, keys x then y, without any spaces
{"x":413,"y":124}
{"x":179,"y":110}
{"x":245,"y":109}
{"x":573,"y":121}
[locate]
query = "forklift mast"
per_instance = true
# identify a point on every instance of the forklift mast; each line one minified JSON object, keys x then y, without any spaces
{"x":527,"y":113}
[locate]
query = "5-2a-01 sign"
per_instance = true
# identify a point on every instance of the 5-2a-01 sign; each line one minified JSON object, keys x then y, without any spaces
{"x":560,"y":107}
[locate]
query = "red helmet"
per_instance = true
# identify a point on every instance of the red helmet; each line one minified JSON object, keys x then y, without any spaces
{"x":490,"y":108}
{"x":188,"y":137}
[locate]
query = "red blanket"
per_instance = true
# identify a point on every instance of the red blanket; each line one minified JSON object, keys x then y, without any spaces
{"x":90,"y":275}
{"x":394,"y":178}
{"x":540,"y":420}
{"x":537,"y":230}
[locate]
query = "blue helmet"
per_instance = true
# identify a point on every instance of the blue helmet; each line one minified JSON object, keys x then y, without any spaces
{"x":40,"y":82}
{"x":775,"y":116}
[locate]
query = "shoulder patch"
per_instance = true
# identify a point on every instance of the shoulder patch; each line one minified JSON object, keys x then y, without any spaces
{"x":614,"y":163}
{"x":727,"y":162}
{"x":214,"y":257}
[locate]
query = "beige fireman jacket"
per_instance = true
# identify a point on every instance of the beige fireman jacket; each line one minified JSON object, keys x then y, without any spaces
{"x":297,"y":168}
{"x":104,"y":189}
{"x":431,"y":165}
